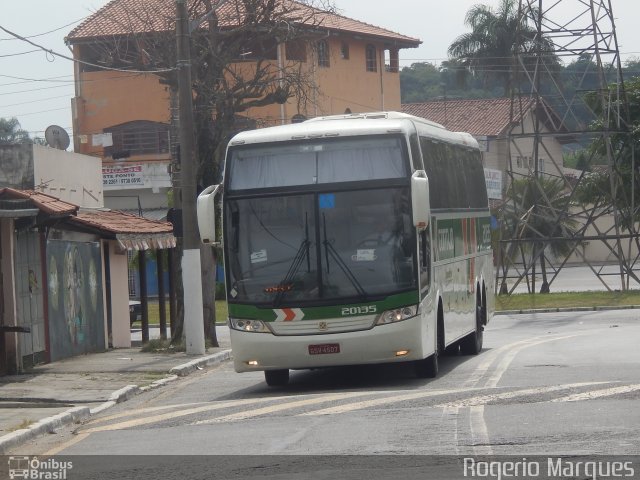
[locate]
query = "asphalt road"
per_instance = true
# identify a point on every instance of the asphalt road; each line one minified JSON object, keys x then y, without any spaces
{"x":545,"y":384}
{"x":575,"y":278}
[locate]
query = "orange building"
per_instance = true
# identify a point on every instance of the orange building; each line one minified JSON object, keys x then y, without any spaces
{"x":125,"y":117}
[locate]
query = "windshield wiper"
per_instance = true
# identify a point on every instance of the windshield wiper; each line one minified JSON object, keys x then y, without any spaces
{"x":330,"y":250}
{"x":303,"y":251}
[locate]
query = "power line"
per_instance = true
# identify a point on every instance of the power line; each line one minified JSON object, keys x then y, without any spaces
{"x":18,"y":54}
{"x":34,"y":101}
{"x":46,"y":33}
{"x":66,"y":57}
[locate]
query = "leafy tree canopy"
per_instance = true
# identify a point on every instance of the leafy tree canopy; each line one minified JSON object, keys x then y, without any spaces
{"x":12,"y":133}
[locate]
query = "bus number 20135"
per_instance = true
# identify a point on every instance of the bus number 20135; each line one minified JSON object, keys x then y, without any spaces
{"x":362,"y":310}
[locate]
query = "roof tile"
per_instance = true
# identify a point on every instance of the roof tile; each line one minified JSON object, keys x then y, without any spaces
{"x":46,"y":203}
{"x":123,"y":17}
{"x":479,"y":117}
{"x":116,"y":222}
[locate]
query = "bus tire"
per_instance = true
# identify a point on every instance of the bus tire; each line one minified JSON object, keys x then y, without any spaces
{"x":427,"y":367}
{"x":472,"y":343}
{"x":276,"y":378}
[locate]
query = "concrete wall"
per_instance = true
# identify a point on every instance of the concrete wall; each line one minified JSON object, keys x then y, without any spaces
{"x":71,"y":177}
{"x":16,"y":166}
{"x":120,"y":329}
{"x":597,"y":251}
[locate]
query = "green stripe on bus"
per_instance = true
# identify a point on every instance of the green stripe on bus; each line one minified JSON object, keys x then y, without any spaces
{"x":456,"y":237}
{"x":334,"y":311}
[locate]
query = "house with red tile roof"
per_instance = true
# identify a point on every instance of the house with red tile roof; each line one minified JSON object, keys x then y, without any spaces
{"x":64,"y":288}
{"x":124,"y":118}
{"x":492,"y":121}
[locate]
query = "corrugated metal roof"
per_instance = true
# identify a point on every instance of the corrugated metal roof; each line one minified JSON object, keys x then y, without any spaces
{"x":124,"y":17}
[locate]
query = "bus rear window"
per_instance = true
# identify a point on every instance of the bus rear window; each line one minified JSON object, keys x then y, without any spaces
{"x":313,"y":162}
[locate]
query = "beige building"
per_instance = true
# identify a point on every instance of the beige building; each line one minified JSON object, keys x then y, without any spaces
{"x":124,"y":118}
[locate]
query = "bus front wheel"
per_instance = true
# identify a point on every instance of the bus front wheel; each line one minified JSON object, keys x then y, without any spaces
{"x":276,"y":378}
{"x":427,"y":367}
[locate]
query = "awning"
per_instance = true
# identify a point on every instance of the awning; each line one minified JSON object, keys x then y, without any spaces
{"x":146,"y":241}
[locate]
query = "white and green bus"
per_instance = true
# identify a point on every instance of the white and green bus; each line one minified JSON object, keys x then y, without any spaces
{"x":353,"y":239}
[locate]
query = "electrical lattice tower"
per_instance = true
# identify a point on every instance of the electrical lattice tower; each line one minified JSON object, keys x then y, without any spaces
{"x":552,"y":215}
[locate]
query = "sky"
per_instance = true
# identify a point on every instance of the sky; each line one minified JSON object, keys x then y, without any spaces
{"x":36,"y":87}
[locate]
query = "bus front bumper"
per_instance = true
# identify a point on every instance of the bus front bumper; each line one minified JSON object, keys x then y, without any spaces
{"x":396,"y":342}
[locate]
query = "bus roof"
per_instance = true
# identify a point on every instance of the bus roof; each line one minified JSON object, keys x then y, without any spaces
{"x":373,"y":123}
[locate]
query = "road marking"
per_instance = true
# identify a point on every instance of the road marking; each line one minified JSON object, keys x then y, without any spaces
{"x":377,"y":402}
{"x":607,"y":392}
{"x":482,"y":400}
{"x":56,"y":450}
{"x":479,"y":432}
{"x":283,"y":406}
{"x":509,"y":353}
{"x":182,"y":413}
{"x":138,"y":411}
{"x":504,"y":363}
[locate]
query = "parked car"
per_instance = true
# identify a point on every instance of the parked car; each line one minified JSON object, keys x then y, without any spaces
{"x":135,"y":311}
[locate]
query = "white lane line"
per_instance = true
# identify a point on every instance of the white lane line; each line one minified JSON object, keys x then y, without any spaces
{"x":479,"y":432}
{"x":506,"y":360}
{"x":377,"y":402}
{"x":485,"y":399}
{"x":487,"y":358}
{"x":283,"y":406}
{"x":453,"y":412}
{"x":181,"y":413}
{"x":144,"y":410}
{"x":606,"y":392}
{"x":476,"y":418}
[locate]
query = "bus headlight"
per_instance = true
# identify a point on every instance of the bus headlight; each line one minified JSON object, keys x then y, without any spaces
{"x":397,"y":315}
{"x":256,"y":326}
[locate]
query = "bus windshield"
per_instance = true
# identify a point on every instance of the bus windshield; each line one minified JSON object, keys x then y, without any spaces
{"x":310,"y":248}
{"x":316,"y":162}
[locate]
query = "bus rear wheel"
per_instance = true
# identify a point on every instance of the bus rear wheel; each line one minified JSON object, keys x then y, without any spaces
{"x":472,"y":343}
{"x":276,"y":378}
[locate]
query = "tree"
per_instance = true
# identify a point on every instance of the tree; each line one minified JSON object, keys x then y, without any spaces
{"x":623,"y":140}
{"x":234,"y":51}
{"x":11,"y":133}
{"x":496,"y":39}
{"x":535,"y":211}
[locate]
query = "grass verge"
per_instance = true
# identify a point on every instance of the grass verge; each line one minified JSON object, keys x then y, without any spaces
{"x":567,"y":300}
{"x":222,"y":312}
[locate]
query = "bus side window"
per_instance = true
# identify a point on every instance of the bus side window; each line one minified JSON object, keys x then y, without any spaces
{"x":424,"y":246}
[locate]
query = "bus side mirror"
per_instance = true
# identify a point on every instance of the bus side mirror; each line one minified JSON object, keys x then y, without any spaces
{"x":206,"y":210}
{"x":420,"y":199}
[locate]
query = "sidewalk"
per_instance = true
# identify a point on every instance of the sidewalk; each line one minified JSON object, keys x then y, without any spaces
{"x":62,"y":392}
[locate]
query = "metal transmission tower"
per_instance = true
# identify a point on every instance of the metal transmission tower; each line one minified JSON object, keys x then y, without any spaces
{"x":549,"y":216}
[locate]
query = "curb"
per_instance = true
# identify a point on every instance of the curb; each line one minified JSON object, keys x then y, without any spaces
{"x":46,"y":425}
{"x":568,"y":309}
{"x":76,"y":414}
{"x":198,"y":364}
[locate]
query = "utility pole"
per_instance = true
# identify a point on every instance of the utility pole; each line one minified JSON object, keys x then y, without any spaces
{"x":191,"y":276}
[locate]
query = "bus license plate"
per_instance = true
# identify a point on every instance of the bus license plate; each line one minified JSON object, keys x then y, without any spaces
{"x":324,"y":348}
